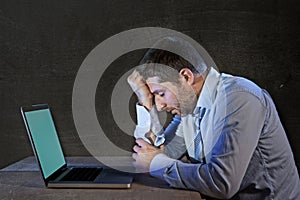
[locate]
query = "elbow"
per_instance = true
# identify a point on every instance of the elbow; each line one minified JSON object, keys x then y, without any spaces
{"x":223,"y":185}
{"x":225,"y":191}
{"x":227,"y":194}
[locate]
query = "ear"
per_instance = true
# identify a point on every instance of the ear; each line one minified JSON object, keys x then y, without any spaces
{"x":188,"y":75}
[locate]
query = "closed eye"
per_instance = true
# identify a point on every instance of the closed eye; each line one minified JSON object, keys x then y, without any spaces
{"x":161,"y":94}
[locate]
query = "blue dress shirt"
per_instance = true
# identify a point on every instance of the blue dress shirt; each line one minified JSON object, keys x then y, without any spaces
{"x":247,"y":153}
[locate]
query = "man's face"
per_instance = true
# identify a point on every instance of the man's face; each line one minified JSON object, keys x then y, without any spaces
{"x":176,"y":98}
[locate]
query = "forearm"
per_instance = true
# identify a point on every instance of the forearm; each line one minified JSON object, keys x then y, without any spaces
{"x":207,"y":179}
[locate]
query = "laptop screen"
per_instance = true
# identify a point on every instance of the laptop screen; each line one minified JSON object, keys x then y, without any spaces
{"x":44,"y":136}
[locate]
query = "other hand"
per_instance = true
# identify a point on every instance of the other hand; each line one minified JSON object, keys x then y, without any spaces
{"x":145,"y":152}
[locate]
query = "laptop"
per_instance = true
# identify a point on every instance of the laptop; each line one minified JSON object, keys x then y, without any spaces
{"x":56,"y":173}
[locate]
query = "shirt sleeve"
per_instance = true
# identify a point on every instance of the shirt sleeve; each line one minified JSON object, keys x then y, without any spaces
{"x":222,"y":175}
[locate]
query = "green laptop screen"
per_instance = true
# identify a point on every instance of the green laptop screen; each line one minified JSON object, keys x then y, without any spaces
{"x":45,"y":140}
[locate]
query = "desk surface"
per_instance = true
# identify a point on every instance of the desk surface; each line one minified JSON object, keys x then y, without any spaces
{"x":22,"y":180}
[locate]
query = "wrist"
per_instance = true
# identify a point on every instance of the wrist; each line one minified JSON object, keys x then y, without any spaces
{"x":159,"y":163}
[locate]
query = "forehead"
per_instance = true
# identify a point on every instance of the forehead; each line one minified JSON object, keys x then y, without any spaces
{"x":155,"y":85}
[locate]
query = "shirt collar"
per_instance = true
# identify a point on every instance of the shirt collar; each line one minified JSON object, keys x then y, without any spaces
{"x":209,"y":89}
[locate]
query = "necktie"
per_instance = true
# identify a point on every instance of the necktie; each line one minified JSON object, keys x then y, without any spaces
{"x":198,"y":141}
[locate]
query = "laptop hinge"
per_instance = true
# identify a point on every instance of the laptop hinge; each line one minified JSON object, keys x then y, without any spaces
{"x":57,"y":173}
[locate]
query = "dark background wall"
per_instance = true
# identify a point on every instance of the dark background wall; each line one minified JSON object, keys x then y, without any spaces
{"x":43,"y":43}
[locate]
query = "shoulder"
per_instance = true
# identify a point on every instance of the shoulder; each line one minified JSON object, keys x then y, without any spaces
{"x":240,"y":89}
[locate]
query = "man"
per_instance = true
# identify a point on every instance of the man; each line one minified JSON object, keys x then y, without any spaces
{"x":229,"y":128}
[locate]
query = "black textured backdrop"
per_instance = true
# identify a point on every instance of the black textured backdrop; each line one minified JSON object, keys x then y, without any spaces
{"x":43,"y":43}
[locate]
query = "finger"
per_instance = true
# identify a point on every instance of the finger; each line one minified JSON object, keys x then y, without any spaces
{"x":134,"y":156}
{"x":136,"y":149}
{"x":162,"y":147}
{"x":141,"y":142}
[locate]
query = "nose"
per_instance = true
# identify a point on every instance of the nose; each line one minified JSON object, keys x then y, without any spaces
{"x":160,"y":104}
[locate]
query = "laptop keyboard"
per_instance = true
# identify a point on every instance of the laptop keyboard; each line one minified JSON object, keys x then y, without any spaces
{"x":82,"y":174}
